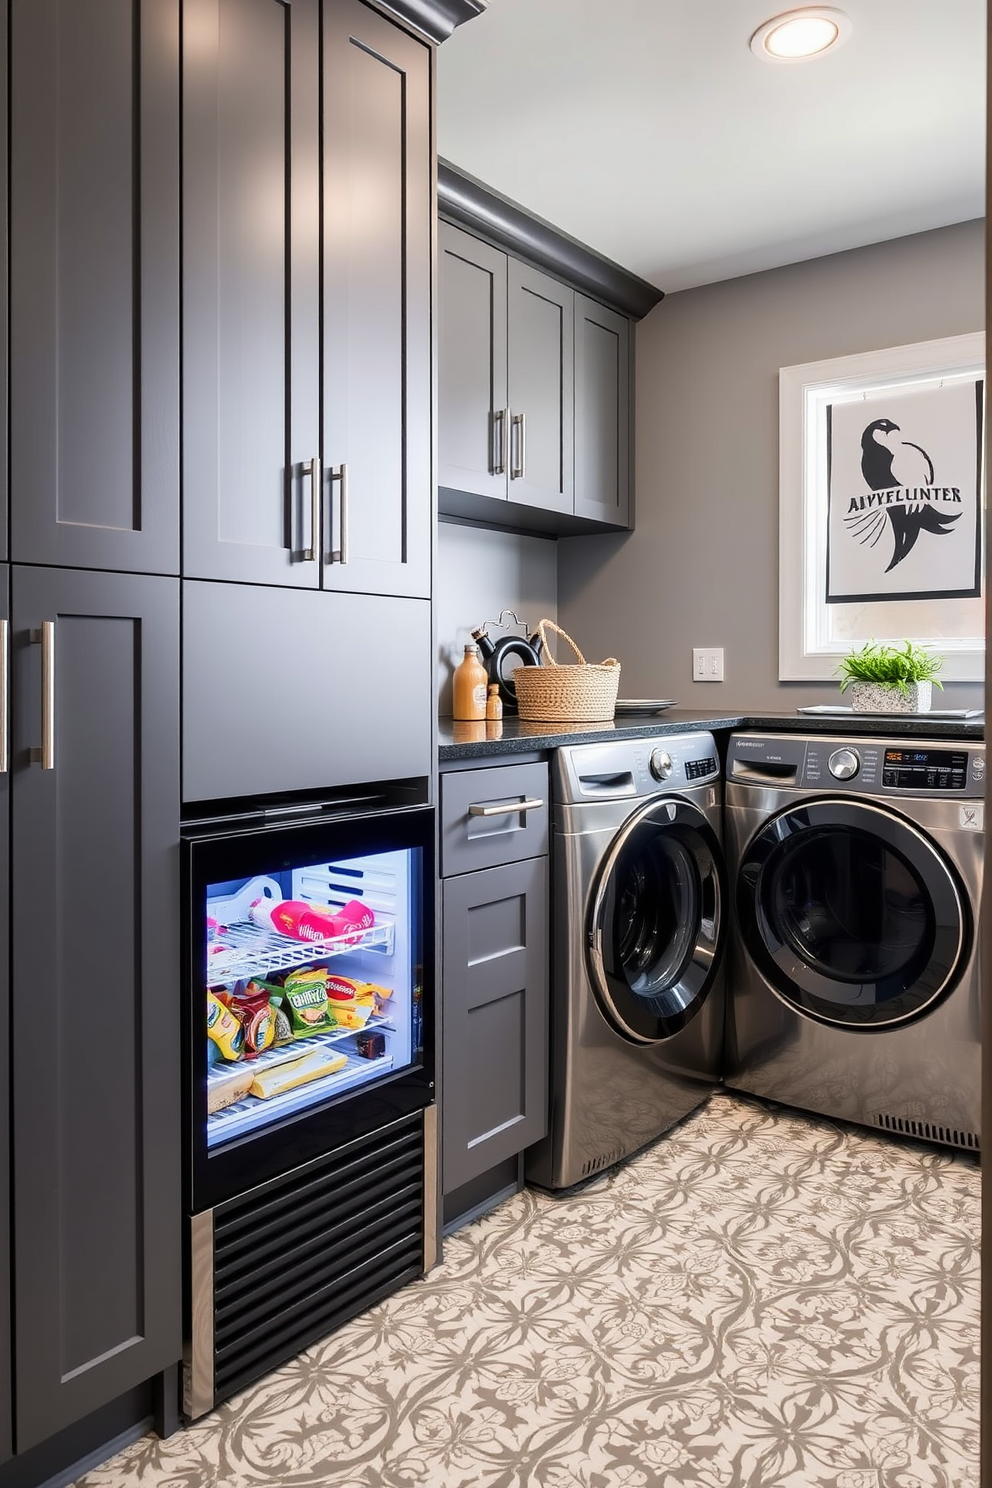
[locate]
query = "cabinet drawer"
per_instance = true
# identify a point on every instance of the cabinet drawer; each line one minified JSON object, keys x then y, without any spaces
{"x":487,"y":818}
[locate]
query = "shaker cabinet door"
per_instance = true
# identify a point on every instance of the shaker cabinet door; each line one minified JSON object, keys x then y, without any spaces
{"x":377,"y":211}
{"x":495,"y":1016}
{"x":94,"y":283}
{"x":251,"y":290}
{"x":540,"y":373}
{"x":473,"y":427}
{"x":602,"y":413}
{"x":95,"y":977}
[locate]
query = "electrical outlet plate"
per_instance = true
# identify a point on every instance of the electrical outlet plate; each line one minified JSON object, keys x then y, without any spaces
{"x":707,"y":663}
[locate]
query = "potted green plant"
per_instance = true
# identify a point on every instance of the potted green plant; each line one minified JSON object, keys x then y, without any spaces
{"x":890,"y":678}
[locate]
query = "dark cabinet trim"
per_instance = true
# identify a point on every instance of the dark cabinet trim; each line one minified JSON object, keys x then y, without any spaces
{"x":435,"y":18}
{"x":468,"y":203}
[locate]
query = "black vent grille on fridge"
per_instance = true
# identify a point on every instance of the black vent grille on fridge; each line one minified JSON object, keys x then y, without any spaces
{"x":297,"y":1257}
{"x":929,"y":1131}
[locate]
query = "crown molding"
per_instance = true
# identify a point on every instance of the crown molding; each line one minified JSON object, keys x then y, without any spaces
{"x":469,"y":203}
{"x":435,"y":18}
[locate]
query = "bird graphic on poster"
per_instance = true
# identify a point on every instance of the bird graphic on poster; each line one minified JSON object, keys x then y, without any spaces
{"x":887,"y":463}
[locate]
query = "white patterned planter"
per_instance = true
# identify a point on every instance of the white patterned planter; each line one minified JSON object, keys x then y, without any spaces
{"x":873,"y":697}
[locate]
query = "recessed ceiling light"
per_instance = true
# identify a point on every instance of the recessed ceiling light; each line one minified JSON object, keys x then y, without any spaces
{"x":799,"y":34}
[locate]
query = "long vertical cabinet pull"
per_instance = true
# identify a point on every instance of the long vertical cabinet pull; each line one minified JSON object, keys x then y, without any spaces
{"x":4,"y":703}
{"x":500,"y":420}
{"x":518,"y":468}
{"x":45,"y":756}
{"x":340,"y":553}
{"x":311,"y":468}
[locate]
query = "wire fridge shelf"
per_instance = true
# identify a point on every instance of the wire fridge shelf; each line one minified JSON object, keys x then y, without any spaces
{"x":245,"y":949}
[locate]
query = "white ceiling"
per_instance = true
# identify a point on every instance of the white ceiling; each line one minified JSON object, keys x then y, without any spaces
{"x":648,"y":130}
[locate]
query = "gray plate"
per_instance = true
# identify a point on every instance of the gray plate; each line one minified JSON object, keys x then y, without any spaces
{"x":644,"y":705}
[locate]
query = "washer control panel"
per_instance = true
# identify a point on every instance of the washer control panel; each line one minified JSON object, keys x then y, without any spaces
{"x":635,"y":768}
{"x":872,"y":766}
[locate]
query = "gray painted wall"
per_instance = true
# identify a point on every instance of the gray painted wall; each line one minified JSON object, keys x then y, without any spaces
{"x":478,"y":574}
{"x":701,"y":568}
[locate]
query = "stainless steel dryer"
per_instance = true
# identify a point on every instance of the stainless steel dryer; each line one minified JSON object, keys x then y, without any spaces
{"x":638,"y":893}
{"x":857,"y":878}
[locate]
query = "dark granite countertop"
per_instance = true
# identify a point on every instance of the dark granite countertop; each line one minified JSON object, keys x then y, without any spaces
{"x":515,"y":736}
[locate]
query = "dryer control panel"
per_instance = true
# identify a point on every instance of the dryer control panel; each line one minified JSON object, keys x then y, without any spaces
{"x":867,"y":766}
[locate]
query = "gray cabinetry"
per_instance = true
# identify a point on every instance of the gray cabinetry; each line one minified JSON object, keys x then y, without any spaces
{"x":533,"y":394}
{"x":95,"y":972}
{"x":494,"y":969}
{"x":307,"y":380}
{"x":602,"y":413}
{"x":377,"y":305}
{"x":251,"y":287}
{"x":94,"y":284}
{"x":291,"y":691}
{"x":471,"y":370}
{"x":539,"y":389}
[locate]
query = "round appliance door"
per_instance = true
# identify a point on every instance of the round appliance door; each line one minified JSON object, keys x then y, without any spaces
{"x":852,"y":914}
{"x":655,"y":929}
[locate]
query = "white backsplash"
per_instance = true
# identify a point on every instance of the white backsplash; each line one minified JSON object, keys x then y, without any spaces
{"x":479,"y":573}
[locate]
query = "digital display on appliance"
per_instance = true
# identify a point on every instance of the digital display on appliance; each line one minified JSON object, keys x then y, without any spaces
{"x":925,"y":769}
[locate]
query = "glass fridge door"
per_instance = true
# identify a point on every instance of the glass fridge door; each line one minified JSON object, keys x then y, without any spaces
{"x":312,"y":987}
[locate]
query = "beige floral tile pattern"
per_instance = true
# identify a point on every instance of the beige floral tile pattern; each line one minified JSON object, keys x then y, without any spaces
{"x":759,"y":1300}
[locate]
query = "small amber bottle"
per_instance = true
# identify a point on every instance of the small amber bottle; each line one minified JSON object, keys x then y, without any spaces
{"x":468,"y":687}
{"x":494,"y":704}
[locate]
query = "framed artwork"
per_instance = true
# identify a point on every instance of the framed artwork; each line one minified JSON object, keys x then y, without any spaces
{"x":881,"y":505}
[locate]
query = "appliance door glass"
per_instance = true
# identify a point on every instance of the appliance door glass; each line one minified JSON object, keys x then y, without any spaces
{"x":656,"y":931}
{"x":310,"y":957}
{"x":312,"y":987}
{"x":852,"y":914}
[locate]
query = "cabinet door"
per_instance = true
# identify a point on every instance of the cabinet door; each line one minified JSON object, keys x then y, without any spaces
{"x":540,"y":386}
{"x":251,"y":289}
{"x":289,"y":691}
{"x":94,"y":283}
{"x":377,"y":210}
{"x":472,"y":422}
{"x":602,"y":413}
{"x":495,"y":1016}
{"x":5,"y":1270}
{"x":95,"y":1006}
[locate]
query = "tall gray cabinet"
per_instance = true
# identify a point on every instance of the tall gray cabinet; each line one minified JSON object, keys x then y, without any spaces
{"x":95,"y":972}
{"x":307,"y":215}
{"x":89,"y":702}
{"x":306,"y":275}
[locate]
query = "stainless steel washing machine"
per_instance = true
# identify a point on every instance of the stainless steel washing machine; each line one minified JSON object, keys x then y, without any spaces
{"x":854,"y":967}
{"x":638,"y":896}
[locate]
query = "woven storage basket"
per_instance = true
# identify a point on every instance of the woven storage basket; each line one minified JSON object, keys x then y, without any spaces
{"x":582,"y":693}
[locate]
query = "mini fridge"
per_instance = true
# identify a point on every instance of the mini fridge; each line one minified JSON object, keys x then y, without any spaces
{"x":311,"y":1176}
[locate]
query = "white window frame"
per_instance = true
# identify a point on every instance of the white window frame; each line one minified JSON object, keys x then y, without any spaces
{"x":806,"y":652}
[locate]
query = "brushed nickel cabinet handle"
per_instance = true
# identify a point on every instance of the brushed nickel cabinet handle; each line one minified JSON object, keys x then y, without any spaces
{"x":45,"y":756}
{"x":500,"y":420}
{"x":4,"y":703}
{"x":311,"y":468}
{"x":340,"y":553}
{"x":531,"y":804}
{"x":520,"y":425}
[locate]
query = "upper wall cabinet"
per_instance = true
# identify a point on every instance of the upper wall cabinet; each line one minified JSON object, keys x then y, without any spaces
{"x":94,"y":284}
{"x":603,"y":425}
{"x":504,"y":376}
{"x":307,"y":212}
{"x":534,"y":374}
